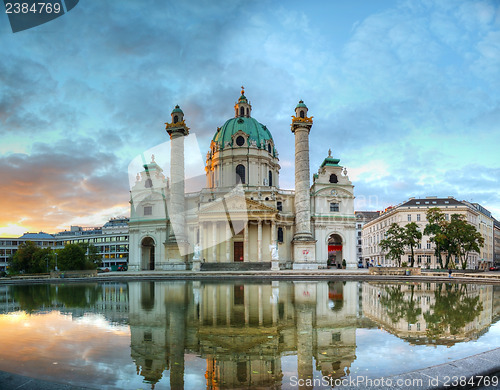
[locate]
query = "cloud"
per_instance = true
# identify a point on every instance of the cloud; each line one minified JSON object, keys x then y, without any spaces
{"x":59,"y":182}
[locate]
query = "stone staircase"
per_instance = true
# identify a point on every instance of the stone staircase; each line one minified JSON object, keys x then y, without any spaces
{"x":236,"y":266}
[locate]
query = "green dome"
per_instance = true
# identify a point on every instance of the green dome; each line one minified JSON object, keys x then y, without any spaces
{"x":177,"y":109}
{"x":301,"y":104}
{"x":250,"y":126}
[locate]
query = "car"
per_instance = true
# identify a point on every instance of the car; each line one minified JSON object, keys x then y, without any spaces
{"x":495,"y":268}
{"x":122,"y":267}
{"x":100,"y":270}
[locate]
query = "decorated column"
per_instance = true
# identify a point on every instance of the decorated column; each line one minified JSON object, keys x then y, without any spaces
{"x":303,"y":242}
{"x":177,"y":246}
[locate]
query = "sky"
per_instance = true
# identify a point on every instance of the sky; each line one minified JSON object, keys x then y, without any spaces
{"x":405,"y":93}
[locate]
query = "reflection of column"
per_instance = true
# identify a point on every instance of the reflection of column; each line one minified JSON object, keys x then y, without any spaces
{"x":245,"y":243}
{"x":214,"y":242}
{"x":275,"y":298}
{"x":176,"y":341}
{"x":247,"y":306}
{"x":259,"y":241}
{"x":304,"y":344}
{"x":228,"y":306}
{"x":214,"y":306}
{"x":260,"y":306}
{"x":228,"y":242}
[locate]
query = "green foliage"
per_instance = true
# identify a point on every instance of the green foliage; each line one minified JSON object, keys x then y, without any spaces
{"x":393,"y":243}
{"x":398,"y":238}
{"x":78,"y":257}
{"x":31,"y":259}
{"x":456,"y":237}
{"x":412,"y":236}
{"x":452,"y":310}
{"x":434,"y":229}
{"x":34,"y":297}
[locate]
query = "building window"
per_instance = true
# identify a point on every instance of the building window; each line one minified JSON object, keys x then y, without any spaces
{"x":418,"y":217}
{"x":269,"y":148}
{"x":240,"y":174}
{"x":359,"y":250}
{"x":428,"y":245}
{"x":359,"y":226}
{"x":333,"y":178}
{"x":279,"y":205}
{"x":359,"y":234}
{"x":301,"y":114}
{"x":409,"y":217}
{"x":359,"y":242}
{"x":242,"y":111}
{"x":270,"y":179}
{"x":240,"y":140}
{"x":280,"y":234}
{"x":334,"y":207}
{"x":148,"y":210}
{"x":148,"y":183}
{"x":176,"y":119}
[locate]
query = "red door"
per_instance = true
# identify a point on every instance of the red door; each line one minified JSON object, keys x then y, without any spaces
{"x":238,"y":251}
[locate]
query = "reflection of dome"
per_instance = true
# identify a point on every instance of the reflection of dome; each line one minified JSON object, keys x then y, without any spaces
{"x":255,"y":130}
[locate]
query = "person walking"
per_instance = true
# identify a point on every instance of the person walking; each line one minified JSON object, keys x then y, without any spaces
{"x":449,"y":272}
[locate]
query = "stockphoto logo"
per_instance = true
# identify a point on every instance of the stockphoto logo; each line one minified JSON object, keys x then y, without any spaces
{"x":26,"y":14}
{"x":161,"y":189}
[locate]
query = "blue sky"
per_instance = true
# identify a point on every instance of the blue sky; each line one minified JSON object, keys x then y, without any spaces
{"x":405,"y":93}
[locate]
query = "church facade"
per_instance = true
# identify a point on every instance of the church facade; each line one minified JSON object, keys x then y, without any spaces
{"x":241,"y":215}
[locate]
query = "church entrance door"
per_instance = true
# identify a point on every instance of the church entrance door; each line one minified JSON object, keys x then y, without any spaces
{"x":238,"y":251}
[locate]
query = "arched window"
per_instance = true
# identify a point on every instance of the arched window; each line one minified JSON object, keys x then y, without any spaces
{"x":240,"y":174}
{"x":301,"y":114}
{"x":333,"y":178}
{"x":269,"y":148}
{"x":176,"y":119}
{"x":270,"y":179}
{"x":148,"y":183}
{"x":248,"y":112}
{"x":242,"y":111}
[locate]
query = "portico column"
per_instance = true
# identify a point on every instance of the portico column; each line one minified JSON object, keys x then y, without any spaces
{"x":228,"y":242}
{"x":214,"y":242}
{"x":273,"y":232}
{"x":245,"y":242}
{"x":202,"y":244}
{"x":259,"y":241}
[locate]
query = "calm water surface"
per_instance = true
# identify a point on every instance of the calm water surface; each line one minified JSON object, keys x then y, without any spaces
{"x":198,"y":335}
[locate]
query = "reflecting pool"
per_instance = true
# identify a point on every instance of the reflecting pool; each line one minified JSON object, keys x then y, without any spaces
{"x":194,"y":335}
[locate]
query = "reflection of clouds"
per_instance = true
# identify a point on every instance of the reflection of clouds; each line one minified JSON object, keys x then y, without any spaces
{"x":385,"y":354}
{"x":104,"y":356}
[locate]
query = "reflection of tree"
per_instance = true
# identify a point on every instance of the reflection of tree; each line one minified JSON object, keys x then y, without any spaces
{"x":34,"y":297}
{"x":398,"y":307}
{"x":452,"y":310}
{"x":40,"y":296}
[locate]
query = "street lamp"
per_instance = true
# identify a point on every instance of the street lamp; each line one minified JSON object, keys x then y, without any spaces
{"x":56,"y":261}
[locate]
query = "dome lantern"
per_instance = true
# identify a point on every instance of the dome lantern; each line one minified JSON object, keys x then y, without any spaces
{"x":242,"y":108}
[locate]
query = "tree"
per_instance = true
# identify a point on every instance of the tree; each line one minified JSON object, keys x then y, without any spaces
{"x":394,"y":243}
{"x":463,"y":238}
{"x":411,"y":236}
{"x":434,"y":229}
{"x":71,"y":257}
{"x":30,"y":258}
{"x":93,"y":258}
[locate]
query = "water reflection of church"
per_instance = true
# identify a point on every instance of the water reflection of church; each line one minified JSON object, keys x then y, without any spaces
{"x":242,"y":331}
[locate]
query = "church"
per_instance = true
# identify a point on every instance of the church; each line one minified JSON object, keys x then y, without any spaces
{"x":241,"y":218}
